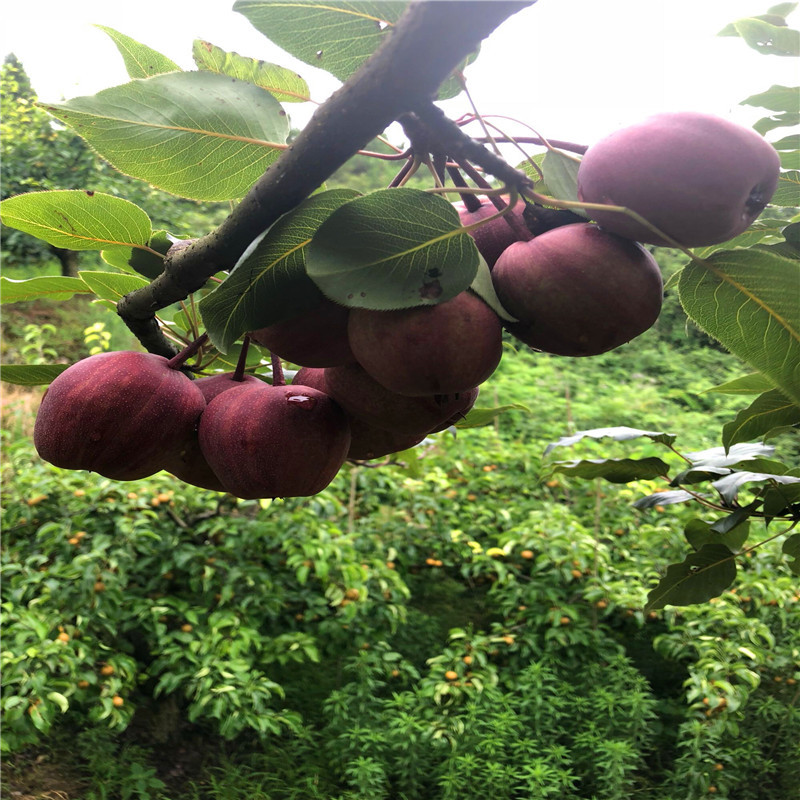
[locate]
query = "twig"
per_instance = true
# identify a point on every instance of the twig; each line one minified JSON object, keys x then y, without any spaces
{"x":425,"y":46}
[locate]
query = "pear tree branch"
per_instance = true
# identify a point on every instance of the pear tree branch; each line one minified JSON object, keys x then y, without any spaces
{"x":426,"y":45}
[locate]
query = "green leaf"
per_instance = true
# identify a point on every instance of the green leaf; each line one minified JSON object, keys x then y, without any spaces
{"x":762,"y":230}
{"x":791,"y":142}
{"x":776,"y":98}
{"x":754,"y":383}
{"x":765,"y":37}
{"x":790,"y":160}
{"x":394,"y":248}
{"x":59,"y":700}
{"x":620,"y":434}
{"x":50,"y":287}
{"x":452,"y":86}
{"x":768,"y":411}
{"x":747,"y":299}
{"x":271,"y":284}
{"x":781,"y":120}
{"x":479,"y":417}
{"x":782,"y":10}
{"x":484,"y":288}
{"x":699,"y":533}
{"x":717,"y":461}
{"x":286,"y":86}
{"x":196,"y":134}
{"x":561,"y":175}
{"x":77,"y":220}
{"x":111,"y":285}
{"x":663,"y":499}
{"x":614,"y":470}
{"x":777,"y":499}
{"x":31,"y":374}
{"x":140,"y":60}
{"x":701,"y":576}
{"x":150,"y":262}
{"x":334,"y":36}
{"x":728,"y":487}
{"x":539,"y":184}
{"x":791,"y":548}
{"x":788,"y":192}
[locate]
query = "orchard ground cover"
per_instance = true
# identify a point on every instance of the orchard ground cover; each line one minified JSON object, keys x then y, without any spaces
{"x":310,"y":646}
{"x":585,"y":588}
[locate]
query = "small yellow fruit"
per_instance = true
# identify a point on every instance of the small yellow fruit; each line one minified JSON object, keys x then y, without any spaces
{"x":352,"y":594}
{"x":83,"y":684}
{"x":34,"y":501}
{"x":186,"y":627}
{"x":74,"y":540}
{"x":451,"y":675}
{"x":390,"y":565}
{"x":107,"y":670}
{"x":63,"y":637}
{"x":117,"y":701}
{"x":565,"y":620}
{"x":79,"y":493}
{"x":467,"y":659}
{"x":527,"y":554}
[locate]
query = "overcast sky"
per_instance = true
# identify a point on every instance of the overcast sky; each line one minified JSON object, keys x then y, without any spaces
{"x":573,"y":69}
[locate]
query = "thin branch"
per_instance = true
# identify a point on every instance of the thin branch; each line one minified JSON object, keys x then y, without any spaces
{"x":426,"y":45}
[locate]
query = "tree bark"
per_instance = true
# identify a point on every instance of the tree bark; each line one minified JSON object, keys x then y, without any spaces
{"x":426,"y":45}
{"x":68,"y":260}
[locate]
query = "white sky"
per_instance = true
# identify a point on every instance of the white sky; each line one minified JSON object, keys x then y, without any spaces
{"x":573,"y":69}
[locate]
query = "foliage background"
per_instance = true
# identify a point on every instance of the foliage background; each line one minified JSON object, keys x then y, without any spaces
{"x":460,"y":617}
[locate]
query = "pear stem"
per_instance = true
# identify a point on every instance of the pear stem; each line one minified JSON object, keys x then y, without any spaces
{"x":278,"y":378}
{"x":515,"y":222}
{"x":471,"y":202}
{"x":177,"y":361}
{"x":238,"y":373}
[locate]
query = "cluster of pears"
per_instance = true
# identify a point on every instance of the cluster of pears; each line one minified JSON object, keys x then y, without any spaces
{"x":372,"y":383}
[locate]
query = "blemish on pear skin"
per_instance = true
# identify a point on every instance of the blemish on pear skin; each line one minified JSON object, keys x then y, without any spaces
{"x":431,"y":291}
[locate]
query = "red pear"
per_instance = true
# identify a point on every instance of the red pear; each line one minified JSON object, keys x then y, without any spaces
{"x":443,"y":349}
{"x":275,"y":441}
{"x":698,"y":178}
{"x":578,"y":290}
{"x":365,"y":400}
{"x":119,"y":414}
{"x":189,"y":464}
{"x":366,"y":440}
{"x":315,"y":338}
{"x":493,"y":237}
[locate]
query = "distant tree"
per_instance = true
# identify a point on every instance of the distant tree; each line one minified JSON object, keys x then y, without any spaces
{"x":40,"y":154}
{"x":37,"y":154}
